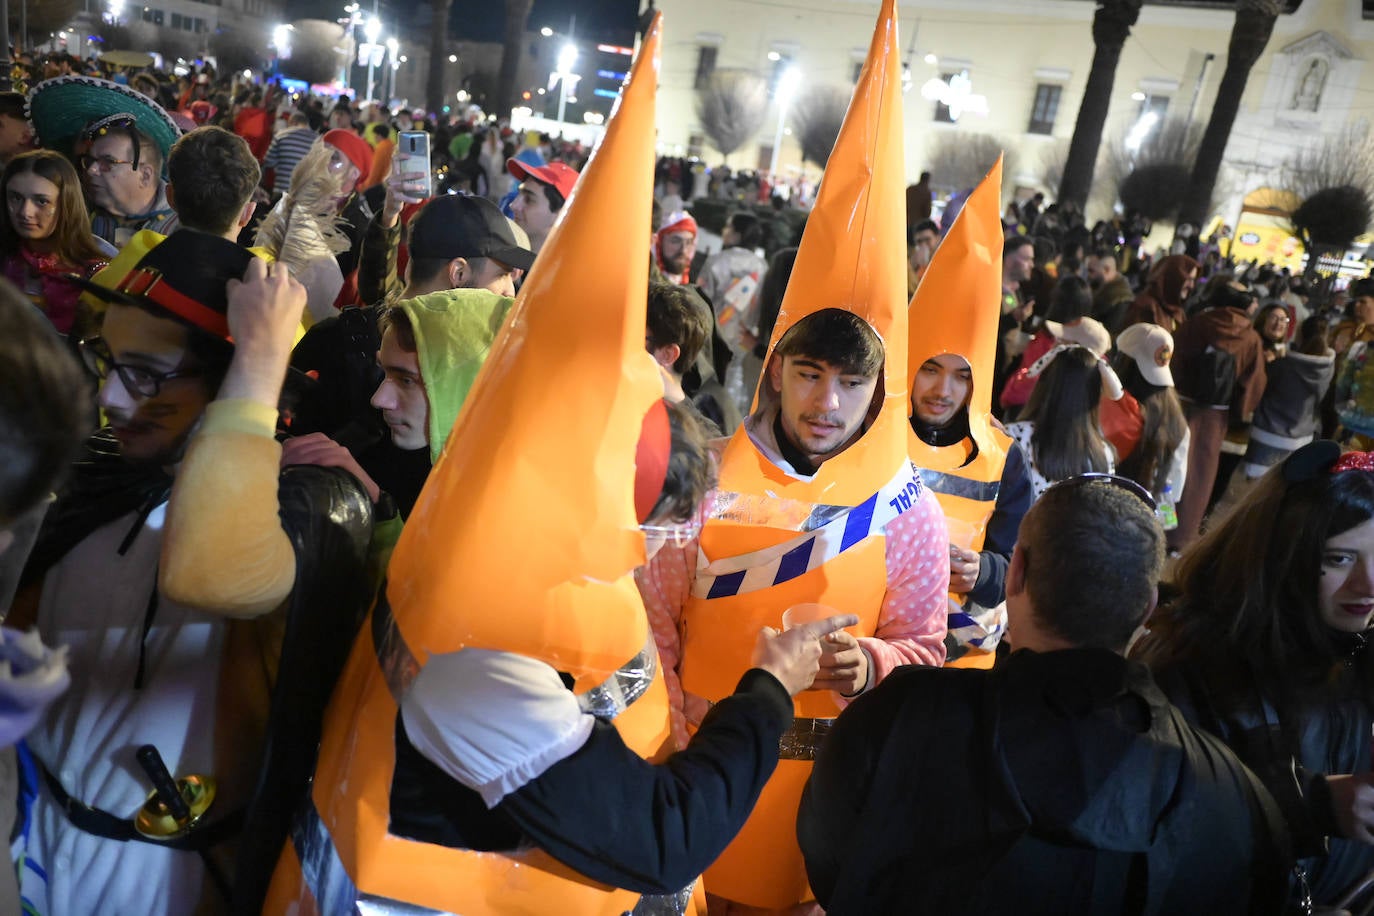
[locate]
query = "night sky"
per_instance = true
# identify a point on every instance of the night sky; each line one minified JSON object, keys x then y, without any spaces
{"x":484,"y":20}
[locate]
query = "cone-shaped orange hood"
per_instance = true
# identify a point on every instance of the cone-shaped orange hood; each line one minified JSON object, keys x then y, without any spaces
{"x":853,"y":252}
{"x":527,"y":521}
{"x":959,"y":302}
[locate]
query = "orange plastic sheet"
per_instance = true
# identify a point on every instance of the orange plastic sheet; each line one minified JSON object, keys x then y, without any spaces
{"x":958,"y":304}
{"x":527,"y":521}
{"x":853,"y":256}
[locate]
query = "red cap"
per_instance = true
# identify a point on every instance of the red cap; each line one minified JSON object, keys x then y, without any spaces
{"x":355,"y":148}
{"x":558,"y":174}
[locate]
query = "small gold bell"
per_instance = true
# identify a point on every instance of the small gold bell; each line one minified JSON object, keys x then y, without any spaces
{"x":175,"y":805}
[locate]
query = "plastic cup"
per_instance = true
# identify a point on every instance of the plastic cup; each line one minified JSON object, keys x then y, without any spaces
{"x":799,"y":614}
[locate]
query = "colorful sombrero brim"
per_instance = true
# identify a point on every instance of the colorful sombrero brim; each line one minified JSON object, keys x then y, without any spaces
{"x":60,"y":108}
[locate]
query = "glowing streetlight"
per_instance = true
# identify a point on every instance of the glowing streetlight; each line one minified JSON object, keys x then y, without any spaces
{"x":392,"y":47}
{"x":567,"y":59}
{"x":373,"y":30}
{"x":546,"y":32}
{"x":787,"y":87}
{"x":281,"y":41}
{"x":453,"y":58}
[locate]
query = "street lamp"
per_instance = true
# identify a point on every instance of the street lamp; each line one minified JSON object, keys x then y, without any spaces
{"x":787,"y":87}
{"x":567,"y":58}
{"x":373,"y":31}
{"x":392,"y":47}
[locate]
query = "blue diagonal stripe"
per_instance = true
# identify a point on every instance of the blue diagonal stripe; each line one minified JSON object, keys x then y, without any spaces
{"x":794,"y":562}
{"x":857,"y":524}
{"x":726,"y":585}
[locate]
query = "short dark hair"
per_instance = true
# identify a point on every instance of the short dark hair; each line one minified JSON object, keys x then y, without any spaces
{"x":1103,"y":253}
{"x":555,"y":199}
{"x":747,"y":227}
{"x":837,"y":337}
{"x":925,"y":225}
{"x":1093,"y":555}
{"x":691,"y":470}
{"x":1071,"y":299}
{"x":426,"y":270}
{"x":1014,"y":242}
{"x":394,"y":318}
{"x":12,"y":104}
{"x":677,"y":315}
{"x":45,"y":400}
{"x":213,"y":174}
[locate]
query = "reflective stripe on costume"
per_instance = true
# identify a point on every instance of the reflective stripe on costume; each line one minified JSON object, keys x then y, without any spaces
{"x":967,"y":494}
{"x":846,"y":527}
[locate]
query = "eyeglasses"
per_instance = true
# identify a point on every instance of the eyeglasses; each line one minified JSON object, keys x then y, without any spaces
{"x":102,"y":163}
{"x":1115,"y":480}
{"x":139,"y":381}
{"x":679,"y":534}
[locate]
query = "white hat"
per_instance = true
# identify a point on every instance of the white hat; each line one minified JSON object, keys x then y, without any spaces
{"x":1151,"y":347}
{"x":1086,"y":332}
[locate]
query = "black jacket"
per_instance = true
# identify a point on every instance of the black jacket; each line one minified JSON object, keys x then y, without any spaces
{"x":1055,"y":783}
{"x":1292,"y":743}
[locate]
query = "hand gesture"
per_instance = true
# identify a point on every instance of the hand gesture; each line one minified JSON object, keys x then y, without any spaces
{"x":963,"y":569}
{"x":265,"y":308}
{"x":794,"y":656}
{"x":1352,"y":801}
{"x":398,"y":195}
{"x":322,"y":451}
{"x":843,"y":665}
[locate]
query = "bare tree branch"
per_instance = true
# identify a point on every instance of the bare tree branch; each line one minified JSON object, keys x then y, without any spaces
{"x":731,"y":107}
{"x":818,"y":118}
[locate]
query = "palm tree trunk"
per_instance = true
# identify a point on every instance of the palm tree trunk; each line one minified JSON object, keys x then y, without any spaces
{"x":517,"y":13}
{"x":438,"y":54}
{"x":1111,"y":27}
{"x":1254,"y":24}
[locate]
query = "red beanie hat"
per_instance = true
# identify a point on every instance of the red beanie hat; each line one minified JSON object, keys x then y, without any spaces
{"x":355,"y":148}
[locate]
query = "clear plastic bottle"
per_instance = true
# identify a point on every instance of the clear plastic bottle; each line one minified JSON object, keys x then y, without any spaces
{"x":1166,"y":512}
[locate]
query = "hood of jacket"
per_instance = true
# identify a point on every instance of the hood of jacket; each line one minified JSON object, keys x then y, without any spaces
{"x":454,"y":331}
{"x":1108,"y":729}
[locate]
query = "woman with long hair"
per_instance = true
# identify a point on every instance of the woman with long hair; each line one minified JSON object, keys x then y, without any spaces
{"x":46,"y":235}
{"x":1059,"y":433}
{"x":1266,"y":646}
{"x":1154,"y":448}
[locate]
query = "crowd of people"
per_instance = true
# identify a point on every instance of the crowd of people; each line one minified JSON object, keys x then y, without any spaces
{"x":475,"y":540}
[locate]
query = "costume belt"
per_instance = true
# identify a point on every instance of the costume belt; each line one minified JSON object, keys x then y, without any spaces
{"x":98,"y":822}
{"x":803,"y":739}
{"x":606,"y":700}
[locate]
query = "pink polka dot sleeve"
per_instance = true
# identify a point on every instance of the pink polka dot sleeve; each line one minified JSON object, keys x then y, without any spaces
{"x":665,"y":583}
{"x":913,"y":620}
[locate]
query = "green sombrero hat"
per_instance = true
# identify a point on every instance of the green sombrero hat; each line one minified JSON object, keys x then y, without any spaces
{"x":61,"y":108}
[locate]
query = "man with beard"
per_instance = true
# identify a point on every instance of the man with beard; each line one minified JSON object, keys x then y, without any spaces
{"x":1111,"y":292}
{"x":174,"y":567}
{"x":675,"y":247}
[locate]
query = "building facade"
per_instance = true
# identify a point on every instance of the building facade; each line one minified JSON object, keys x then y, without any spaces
{"x":1029,"y":61}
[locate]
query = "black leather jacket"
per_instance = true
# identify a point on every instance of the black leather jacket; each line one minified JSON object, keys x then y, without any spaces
{"x":1292,"y":743}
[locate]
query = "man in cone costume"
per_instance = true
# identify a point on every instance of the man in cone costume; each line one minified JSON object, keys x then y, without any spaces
{"x":810,"y":509}
{"x":492,"y":745}
{"x":975,"y":470}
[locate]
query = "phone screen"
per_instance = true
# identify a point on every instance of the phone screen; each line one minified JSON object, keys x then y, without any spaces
{"x":412,"y":155}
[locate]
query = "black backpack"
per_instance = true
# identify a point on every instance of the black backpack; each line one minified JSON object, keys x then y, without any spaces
{"x":1209,"y":379}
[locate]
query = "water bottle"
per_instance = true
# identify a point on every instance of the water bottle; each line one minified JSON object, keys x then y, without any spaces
{"x":1165,"y":511}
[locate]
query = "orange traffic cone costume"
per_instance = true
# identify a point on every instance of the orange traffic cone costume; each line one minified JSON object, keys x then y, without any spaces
{"x":764,"y":547}
{"x":955,"y":311}
{"x":523,"y":541}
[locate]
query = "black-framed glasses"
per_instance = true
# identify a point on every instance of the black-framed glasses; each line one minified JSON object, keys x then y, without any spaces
{"x":1115,"y":480}
{"x":139,"y":381}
